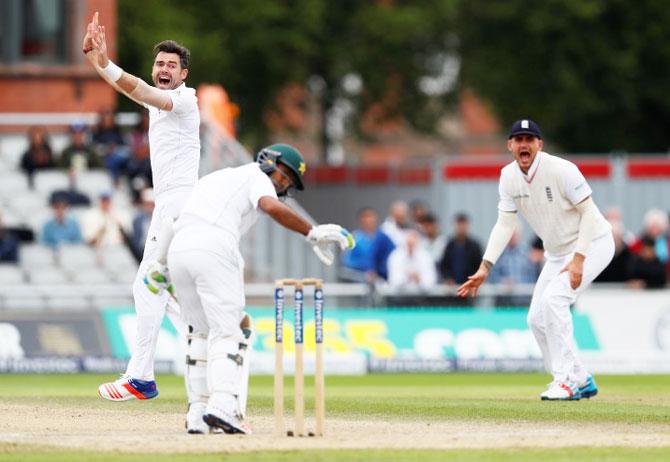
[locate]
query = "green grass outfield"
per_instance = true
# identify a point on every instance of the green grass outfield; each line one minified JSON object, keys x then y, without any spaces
{"x":503,"y":398}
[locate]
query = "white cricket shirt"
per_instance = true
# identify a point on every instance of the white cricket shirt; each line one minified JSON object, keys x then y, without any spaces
{"x":174,"y":141}
{"x":227,"y":199}
{"x":546,"y":197}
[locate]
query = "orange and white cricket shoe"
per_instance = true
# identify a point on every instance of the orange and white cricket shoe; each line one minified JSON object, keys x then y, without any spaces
{"x":561,"y":391}
{"x":126,"y":388}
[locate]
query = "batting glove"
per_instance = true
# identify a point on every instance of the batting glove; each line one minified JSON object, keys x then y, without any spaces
{"x":157,"y":279}
{"x":331,"y":233}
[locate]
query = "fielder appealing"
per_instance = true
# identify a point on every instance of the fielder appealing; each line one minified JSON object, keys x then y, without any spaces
{"x":174,"y":144}
{"x":555,"y":199}
{"x":207,"y":269}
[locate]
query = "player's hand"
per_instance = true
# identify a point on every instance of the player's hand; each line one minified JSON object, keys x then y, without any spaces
{"x":88,"y":37}
{"x":330,"y":233}
{"x":157,"y":279}
{"x":100,"y":43}
{"x":471,"y":286}
{"x":95,"y":42}
{"x":324,"y":253}
{"x":575,"y":270}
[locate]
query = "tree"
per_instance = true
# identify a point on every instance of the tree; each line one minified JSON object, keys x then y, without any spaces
{"x":256,"y":47}
{"x":593,"y":73}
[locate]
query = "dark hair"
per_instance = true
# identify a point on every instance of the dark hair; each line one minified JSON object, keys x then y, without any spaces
{"x":648,"y":241}
{"x":170,"y":46}
{"x":365,"y":209}
{"x":428,"y":218}
{"x":462,"y":217}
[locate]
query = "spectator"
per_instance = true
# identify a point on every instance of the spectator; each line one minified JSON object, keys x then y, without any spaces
{"x":62,"y":228}
{"x":9,"y":245}
{"x":514,"y":267}
{"x":104,"y":226}
{"x":462,"y":255}
{"x":620,"y":266}
{"x":39,"y":155}
{"x":614,"y":215}
{"x":141,"y":222}
{"x":110,"y":144}
{"x":410,"y":266}
{"x":72,"y":195}
{"x":418,"y":210}
{"x":397,"y":223}
{"x":647,"y":271}
{"x":138,"y":168}
{"x":536,"y":254}
{"x":656,"y":229}
{"x":433,"y":240}
{"x":79,"y":155}
{"x":372,"y":247}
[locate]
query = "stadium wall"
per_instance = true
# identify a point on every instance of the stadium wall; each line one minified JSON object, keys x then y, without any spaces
{"x":617,"y":331}
{"x":632,"y":183}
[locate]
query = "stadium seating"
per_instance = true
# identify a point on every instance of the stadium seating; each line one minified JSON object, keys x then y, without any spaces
{"x":94,"y":182}
{"x":47,"y":181}
{"x":37,"y":256}
{"x":45,"y":276}
{"x":90,"y":276}
{"x":78,"y":257}
{"x":11,"y":274}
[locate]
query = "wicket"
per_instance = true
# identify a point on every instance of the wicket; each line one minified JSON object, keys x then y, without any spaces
{"x":319,"y":395}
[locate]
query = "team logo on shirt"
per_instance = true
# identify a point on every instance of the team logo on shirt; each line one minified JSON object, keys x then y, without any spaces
{"x":550,"y":196}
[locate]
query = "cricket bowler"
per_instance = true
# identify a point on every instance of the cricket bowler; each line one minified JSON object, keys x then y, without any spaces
{"x":174,"y":144}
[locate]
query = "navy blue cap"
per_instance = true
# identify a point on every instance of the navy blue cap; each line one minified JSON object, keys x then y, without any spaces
{"x":525,"y":127}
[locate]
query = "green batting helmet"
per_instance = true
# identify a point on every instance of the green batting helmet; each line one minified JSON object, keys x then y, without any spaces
{"x":283,"y":154}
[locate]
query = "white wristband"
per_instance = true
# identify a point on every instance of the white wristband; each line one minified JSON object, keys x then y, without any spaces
{"x":112,"y":71}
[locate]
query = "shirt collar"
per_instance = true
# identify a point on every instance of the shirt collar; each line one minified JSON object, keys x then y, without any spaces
{"x":533,"y":168}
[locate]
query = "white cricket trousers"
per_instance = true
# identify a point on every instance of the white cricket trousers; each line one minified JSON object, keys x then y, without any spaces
{"x":207,"y":270}
{"x":151,"y":308}
{"x":549,"y":316}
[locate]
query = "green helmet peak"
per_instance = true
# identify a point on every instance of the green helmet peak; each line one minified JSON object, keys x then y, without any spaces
{"x":285,"y":154}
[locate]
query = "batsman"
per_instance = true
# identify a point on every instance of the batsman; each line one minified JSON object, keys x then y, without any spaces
{"x":207,"y":270}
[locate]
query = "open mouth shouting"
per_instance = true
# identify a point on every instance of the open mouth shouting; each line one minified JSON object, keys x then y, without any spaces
{"x":164,"y":81}
{"x":524,"y":155}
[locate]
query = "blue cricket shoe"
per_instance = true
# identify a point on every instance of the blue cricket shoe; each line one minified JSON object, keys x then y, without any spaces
{"x":589,"y":388}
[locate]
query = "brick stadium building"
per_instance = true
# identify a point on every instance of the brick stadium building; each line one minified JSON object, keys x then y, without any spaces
{"x":44,"y":76}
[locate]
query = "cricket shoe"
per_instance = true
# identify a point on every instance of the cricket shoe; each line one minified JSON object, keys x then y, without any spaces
{"x":220,"y":413}
{"x":561,"y":391}
{"x":589,"y":388}
{"x":126,"y":388}
{"x":194,"y":423}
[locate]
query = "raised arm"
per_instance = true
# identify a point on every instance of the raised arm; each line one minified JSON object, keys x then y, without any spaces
{"x":95,"y":48}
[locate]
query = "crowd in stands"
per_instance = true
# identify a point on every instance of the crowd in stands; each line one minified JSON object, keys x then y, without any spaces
{"x":408,"y":249}
{"x":98,"y":223}
{"x":105,"y":145}
{"x":410,"y":253}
